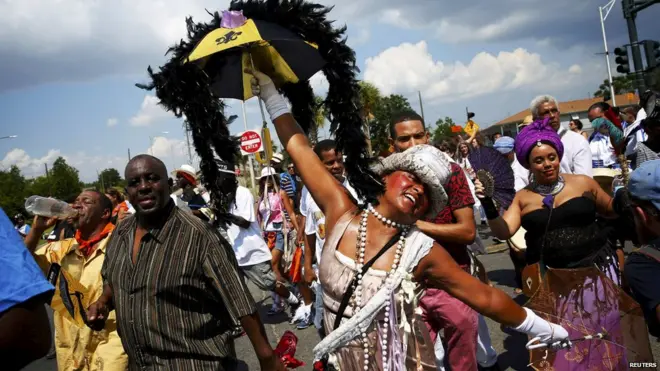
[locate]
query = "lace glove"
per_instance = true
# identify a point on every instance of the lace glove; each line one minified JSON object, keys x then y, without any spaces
{"x":489,"y":208}
{"x":543,"y":333}
{"x":264,"y":88}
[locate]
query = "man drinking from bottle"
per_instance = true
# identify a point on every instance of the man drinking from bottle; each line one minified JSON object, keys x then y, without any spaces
{"x":80,"y":259}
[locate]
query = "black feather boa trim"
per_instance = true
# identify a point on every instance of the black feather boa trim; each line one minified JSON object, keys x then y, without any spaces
{"x":184,"y":89}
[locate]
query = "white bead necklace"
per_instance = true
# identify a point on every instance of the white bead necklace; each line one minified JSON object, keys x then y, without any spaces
{"x":389,"y":281}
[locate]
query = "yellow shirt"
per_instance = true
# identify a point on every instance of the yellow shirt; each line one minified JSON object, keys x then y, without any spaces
{"x":81,"y":348}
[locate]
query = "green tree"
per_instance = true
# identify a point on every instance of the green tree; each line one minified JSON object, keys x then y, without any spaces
{"x":622,"y":84}
{"x":109,"y":178}
{"x":443,"y":130}
{"x":13,"y":191}
{"x":382,"y":114}
{"x":64,"y":179}
{"x":318,"y":121}
{"x":369,"y":100}
{"x":40,"y":186}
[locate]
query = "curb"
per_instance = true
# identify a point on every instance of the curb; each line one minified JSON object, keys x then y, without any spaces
{"x":494,"y":249}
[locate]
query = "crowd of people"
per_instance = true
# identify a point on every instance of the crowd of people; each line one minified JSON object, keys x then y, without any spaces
{"x":390,"y":283}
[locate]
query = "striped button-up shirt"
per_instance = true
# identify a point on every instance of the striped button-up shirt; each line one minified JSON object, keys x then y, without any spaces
{"x":176,"y":305}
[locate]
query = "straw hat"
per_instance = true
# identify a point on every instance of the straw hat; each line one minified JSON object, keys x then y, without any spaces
{"x":187,"y":169}
{"x":526,"y":121}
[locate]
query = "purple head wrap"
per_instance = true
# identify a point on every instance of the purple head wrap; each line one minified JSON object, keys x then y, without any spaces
{"x":531,"y":135}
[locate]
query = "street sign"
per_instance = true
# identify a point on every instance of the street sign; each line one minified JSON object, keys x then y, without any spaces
{"x":251,"y":142}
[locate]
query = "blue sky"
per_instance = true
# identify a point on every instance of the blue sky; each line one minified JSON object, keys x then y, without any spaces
{"x":69,"y":67}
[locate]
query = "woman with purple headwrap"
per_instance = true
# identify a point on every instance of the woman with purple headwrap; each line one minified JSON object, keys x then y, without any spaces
{"x":559,"y":213}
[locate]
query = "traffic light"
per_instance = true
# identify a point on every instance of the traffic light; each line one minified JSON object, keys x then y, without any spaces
{"x":622,"y":59}
{"x":652,"y":51}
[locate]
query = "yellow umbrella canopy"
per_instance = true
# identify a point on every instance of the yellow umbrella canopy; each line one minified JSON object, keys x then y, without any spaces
{"x":225,"y":52}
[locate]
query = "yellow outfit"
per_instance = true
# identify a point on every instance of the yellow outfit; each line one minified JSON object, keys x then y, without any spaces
{"x":82,"y":348}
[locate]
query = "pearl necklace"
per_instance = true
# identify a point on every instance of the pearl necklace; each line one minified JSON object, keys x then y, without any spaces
{"x":389,"y":281}
{"x":383,"y":219}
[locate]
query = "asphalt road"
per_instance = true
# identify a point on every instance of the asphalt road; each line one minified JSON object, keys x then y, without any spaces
{"x":509,"y":345}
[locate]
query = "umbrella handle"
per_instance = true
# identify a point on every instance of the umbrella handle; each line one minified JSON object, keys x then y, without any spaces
{"x":261,"y":107}
{"x":563,"y":343}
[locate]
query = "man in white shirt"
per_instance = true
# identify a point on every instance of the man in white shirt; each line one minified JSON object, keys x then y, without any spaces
{"x":315,"y":221}
{"x":244,"y":234}
{"x":577,"y":154}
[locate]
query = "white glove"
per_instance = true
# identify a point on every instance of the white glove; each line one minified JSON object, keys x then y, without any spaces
{"x":543,"y":333}
{"x":264,"y":88}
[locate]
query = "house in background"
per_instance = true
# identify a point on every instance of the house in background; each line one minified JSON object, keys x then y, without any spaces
{"x":569,"y":110}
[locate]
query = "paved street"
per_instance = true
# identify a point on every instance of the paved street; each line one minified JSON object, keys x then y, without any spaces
{"x":509,"y":345}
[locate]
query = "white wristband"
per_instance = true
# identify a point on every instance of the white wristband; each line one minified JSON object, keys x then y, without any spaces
{"x":276,"y":106}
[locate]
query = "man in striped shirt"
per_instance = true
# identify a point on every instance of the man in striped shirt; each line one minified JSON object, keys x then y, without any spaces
{"x":175,"y":284}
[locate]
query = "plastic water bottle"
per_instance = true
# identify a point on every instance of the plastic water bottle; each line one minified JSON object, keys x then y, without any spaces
{"x":49,"y":207}
{"x":617,"y":184}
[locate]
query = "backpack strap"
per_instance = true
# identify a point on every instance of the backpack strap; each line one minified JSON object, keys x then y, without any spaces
{"x":649,"y":251}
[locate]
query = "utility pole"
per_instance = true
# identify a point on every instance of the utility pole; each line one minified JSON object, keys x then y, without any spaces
{"x":101,"y":179}
{"x":129,"y":154}
{"x":608,"y":7}
{"x":50,"y":186}
{"x":254,"y":187}
{"x":421,"y":106}
{"x":188,"y":143}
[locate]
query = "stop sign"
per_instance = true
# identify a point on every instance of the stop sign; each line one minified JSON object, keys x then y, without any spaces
{"x":251,"y":142}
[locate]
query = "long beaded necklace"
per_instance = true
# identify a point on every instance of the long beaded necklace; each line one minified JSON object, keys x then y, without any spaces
{"x":389,"y":281}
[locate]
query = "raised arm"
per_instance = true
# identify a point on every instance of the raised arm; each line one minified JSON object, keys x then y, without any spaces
{"x":331,"y":198}
{"x":439,"y":270}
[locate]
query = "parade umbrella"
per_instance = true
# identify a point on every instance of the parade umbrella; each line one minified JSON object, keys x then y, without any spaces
{"x":495,"y":174}
{"x":241,"y":43}
{"x":606,"y":326}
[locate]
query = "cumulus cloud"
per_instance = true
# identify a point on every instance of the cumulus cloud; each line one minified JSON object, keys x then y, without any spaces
{"x":72,"y":40}
{"x":111,"y":122}
{"x":319,"y":84}
{"x":172,"y":151}
{"x":409,"y":68}
{"x":567,"y":21}
{"x":30,"y":166}
{"x":150,"y":112}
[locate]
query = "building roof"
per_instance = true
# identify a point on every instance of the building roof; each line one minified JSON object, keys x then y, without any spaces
{"x":573,"y":106}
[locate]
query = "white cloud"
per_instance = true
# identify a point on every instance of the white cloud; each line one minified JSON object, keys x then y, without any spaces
{"x":575,"y":69}
{"x":150,"y":112}
{"x":30,"y":166}
{"x":172,"y":151}
{"x":168,"y":147}
{"x":363,"y":36}
{"x":112,"y":122}
{"x":44,"y":41}
{"x":409,"y":68}
{"x":319,"y":84}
